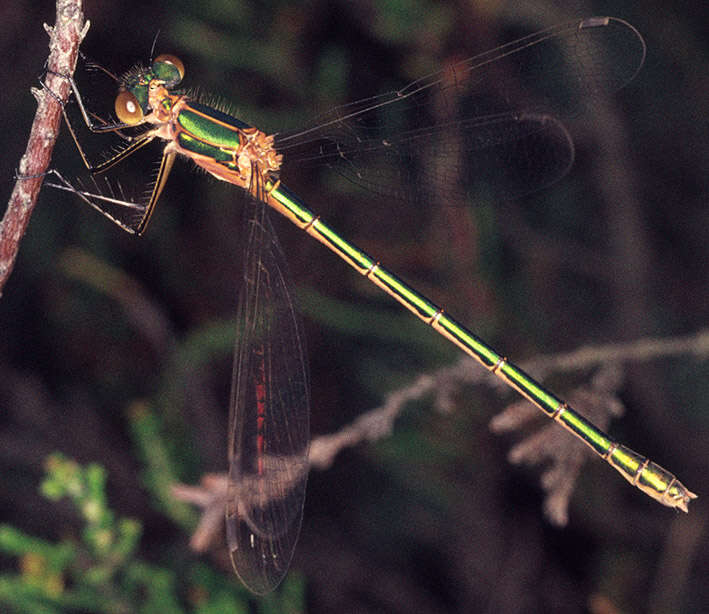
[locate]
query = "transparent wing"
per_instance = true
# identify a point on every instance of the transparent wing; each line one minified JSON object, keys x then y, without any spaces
{"x":486,"y":123}
{"x":269,"y":416}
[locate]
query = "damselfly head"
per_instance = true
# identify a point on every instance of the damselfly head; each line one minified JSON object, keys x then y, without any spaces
{"x":132,"y":102}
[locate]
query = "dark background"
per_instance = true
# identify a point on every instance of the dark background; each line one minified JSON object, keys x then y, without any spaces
{"x":433,"y":518}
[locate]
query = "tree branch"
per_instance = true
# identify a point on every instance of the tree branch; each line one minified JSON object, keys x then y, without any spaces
{"x":64,"y":40}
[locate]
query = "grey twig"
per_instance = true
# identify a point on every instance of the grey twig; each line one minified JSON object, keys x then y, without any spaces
{"x":597,"y":399}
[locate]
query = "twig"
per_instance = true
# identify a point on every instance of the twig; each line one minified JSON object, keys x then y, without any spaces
{"x":64,"y":40}
{"x":378,"y":423}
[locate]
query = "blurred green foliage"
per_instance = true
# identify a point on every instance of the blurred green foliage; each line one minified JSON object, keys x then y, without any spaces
{"x":102,"y":572}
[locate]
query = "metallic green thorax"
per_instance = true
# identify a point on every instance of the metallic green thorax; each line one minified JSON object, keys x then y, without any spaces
{"x":208,"y":132}
{"x":211,"y":125}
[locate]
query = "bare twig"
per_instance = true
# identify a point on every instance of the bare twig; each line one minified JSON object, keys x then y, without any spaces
{"x":64,"y":40}
{"x":598,"y":399}
{"x":377,"y":423}
{"x":211,"y":496}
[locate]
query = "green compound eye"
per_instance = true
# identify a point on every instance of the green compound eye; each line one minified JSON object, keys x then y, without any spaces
{"x":169,"y":69}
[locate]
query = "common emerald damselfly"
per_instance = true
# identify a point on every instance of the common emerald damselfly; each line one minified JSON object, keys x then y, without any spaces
{"x":435,"y":133}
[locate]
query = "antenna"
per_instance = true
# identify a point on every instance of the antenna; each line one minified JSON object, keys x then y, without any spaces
{"x":152,"y":49}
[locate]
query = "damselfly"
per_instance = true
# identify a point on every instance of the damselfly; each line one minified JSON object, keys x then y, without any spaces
{"x":442,"y":139}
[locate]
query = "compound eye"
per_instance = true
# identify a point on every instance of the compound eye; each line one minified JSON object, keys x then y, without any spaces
{"x":128,"y":108}
{"x":175,"y":62}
